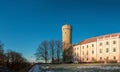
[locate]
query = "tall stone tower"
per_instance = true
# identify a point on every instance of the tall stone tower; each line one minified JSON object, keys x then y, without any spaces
{"x":67,"y":43}
{"x":66,"y":34}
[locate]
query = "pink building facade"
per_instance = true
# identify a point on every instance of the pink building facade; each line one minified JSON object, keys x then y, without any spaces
{"x":104,"y":48}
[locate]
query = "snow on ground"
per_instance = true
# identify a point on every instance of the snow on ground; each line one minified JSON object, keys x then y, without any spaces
{"x":101,"y":68}
{"x":36,"y":68}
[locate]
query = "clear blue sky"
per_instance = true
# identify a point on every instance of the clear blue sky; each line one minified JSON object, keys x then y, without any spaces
{"x":25,"y":23}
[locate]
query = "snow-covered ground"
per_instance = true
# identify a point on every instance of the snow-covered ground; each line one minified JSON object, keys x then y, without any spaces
{"x":37,"y":68}
{"x":100,"y":68}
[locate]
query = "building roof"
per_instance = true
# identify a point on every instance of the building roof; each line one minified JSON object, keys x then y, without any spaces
{"x":88,"y":41}
{"x":94,"y":39}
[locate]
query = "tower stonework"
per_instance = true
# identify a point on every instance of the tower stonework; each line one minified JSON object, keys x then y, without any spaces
{"x":66,"y":34}
{"x":67,"y":43}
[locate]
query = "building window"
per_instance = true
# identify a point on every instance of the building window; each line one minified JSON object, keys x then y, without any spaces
{"x":100,"y":58}
{"x":83,"y":47}
{"x":83,"y":53}
{"x":77,"y":48}
{"x":83,"y":58}
{"x":114,"y":58}
{"x":87,"y":59}
{"x":107,"y":50}
{"x":92,"y":45}
{"x":107,"y":58}
{"x":107,"y":43}
{"x":87,"y":52}
{"x":100,"y":44}
{"x":77,"y":54}
{"x":87,"y":46}
{"x":100,"y":50}
{"x":114,"y":42}
{"x":114,"y":49}
{"x":92,"y":51}
{"x":75,"y":59}
{"x":93,"y":59}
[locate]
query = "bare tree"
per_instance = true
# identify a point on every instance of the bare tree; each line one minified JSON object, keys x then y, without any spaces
{"x":1,"y":54}
{"x":58,"y":46}
{"x":52,"y":47}
{"x":14,"y":57}
{"x":42,"y":52}
{"x":15,"y":60}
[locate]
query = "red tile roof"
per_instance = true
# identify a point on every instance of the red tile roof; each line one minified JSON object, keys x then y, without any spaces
{"x":107,"y":36}
{"x":113,"y":35}
{"x":88,"y":41}
{"x":99,"y":37}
